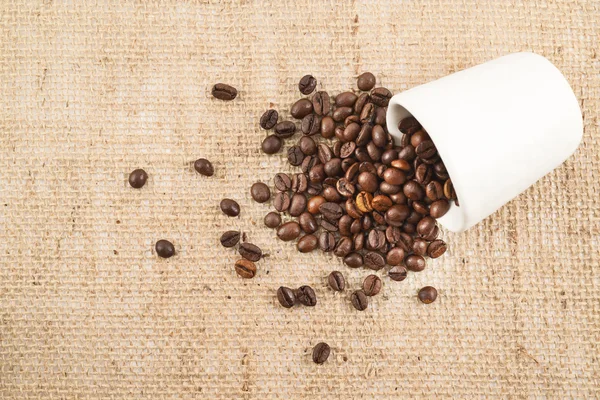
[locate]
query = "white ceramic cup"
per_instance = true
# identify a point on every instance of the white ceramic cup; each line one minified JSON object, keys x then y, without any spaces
{"x":498,"y":127}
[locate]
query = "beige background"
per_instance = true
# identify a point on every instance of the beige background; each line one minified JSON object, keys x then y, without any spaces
{"x":87,"y":311}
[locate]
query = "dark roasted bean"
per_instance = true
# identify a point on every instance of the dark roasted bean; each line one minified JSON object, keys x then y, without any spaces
{"x":307,"y":84}
{"x":250,"y":252}
{"x":222,"y":91}
{"x":286,"y":296}
{"x":359,"y":300}
{"x":336,"y":281}
{"x":230,"y":238}
{"x":269,"y":119}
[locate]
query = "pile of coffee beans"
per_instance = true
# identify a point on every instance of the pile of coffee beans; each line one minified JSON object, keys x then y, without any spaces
{"x":357,"y":194}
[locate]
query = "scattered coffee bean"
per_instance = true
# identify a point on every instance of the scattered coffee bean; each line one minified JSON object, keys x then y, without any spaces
{"x":308,"y":146}
{"x":222,"y":91}
{"x":269,"y":119}
{"x":204,"y":167}
{"x":285,"y":129}
{"x":354,"y":260}
{"x":327,"y":127}
{"x":327,"y":241}
{"x":343,"y":247}
{"x":336,"y":281}
{"x":314,"y":204}
{"x":398,"y":273}
{"x":346,"y":99}
{"x":428,"y":294}
{"x":359,"y":300}
{"x":373,"y":260}
{"x":164,"y":248}
{"x":321,"y":103}
{"x":395,"y":256}
{"x":260,"y":192}
{"x":415,"y":263}
{"x":301,"y":108}
{"x":297,"y":204}
{"x":245,"y":268}
{"x":307,"y":243}
{"x":281,"y":201}
{"x":365,"y":81}
{"x":295,"y":155}
{"x":138,"y":178}
{"x":230,"y":207}
{"x":286,"y":296}
{"x":436,"y":248}
{"x":381,"y":96}
{"x":288,"y":231}
{"x":307,"y":84}
{"x":306,"y":296}
{"x":230,"y":238}
{"x":250,"y":252}
{"x":282,"y":182}
{"x":420,"y":247}
{"x":272,"y":220}
{"x":271,"y":144}
{"x":371,"y":285}
{"x":320,"y":353}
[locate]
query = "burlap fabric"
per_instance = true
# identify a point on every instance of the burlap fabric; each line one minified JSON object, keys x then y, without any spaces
{"x":89,"y":92}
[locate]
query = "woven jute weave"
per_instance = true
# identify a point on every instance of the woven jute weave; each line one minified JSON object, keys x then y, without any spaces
{"x":90,"y":90}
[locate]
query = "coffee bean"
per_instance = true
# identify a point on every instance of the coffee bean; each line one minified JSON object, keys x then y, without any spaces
{"x":402,"y":165}
{"x":345,"y":188}
{"x":336,"y":281}
{"x":245,"y":268}
{"x":371,"y":285}
{"x":351,"y":174}
{"x":373,"y":151}
{"x":299,"y":183}
{"x":315,"y":203}
{"x":398,"y":198}
{"x":307,"y":145}
{"x":204,"y":167}
{"x":396,"y":214}
{"x":317,"y":173}
{"x":347,"y":149}
{"x":345,"y":224}
{"x":346,"y":99}
{"x":364,"y":135}
{"x":376,"y":240}
{"x":320,"y":353}
{"x":374,"y":260}
{"x":388,"y":189}
{"x":286,"y":296}
{"x":331,"y":194}
{"x":420,"y":208}
{"x":306,"y":295}
{"x":301,"y":108}
{"x":381,"y":203}
{"x":308,"y":223}
{"x":222,"y":91}
{"x":138,"y":178}
{"x":327,"y":241}
{"x":314,"y":188}
{"x":282,"y":182}
{"x":379,"y":136}
{"x":395,"y":256}
{"x":230,"y":207}
{"x":333,"y":167}
{"x":405,"y":242}
{"x":409,"y":125}
{"x":271,"y":144}
{"x":272,"y":220}
{"x":310,"y":125}
{"x":380,"y":119}
{"x":307,"y":243}
{"x":434,"y":190}
{"x":250,"y":251}
{"x":307,"y":84}
{"x":164,"y":248}
{"x":427,"y":227}
{"x":269,"y":119}
{"x":362,"y":154}
{"x":428,"y":294}
{"x":230,"y":238}
{"x":281,"y":201}
{"x":415,"y":263}
{"x":420,"y":247}
{"x":360,"y":103}
{"x":260,"y":192}
{"x":297,"y":204}
{"x":398,"y":273}
{"x":392,"y":235}
{"x":359,"y":300}
{"x":331,"y":211}
{"x":321,"y":103}
{"x":381,"y":96}
{"x":366,"y":222}
{"x":366,"y":81}
{"x":449,"y":190}
{"x":426,"y":150}
{"x":407,"y":227}
{"x":353,"y":260}
{"x":327,"y":127}
{"x":413,"y":190}
{"x":394,"y":176}
{"x":368,"y":182}
{"x":324,"y":152}
{"x":295,"y":155}
{"x":407,"y":153}
{"x":288,"y":231}
{"x":439,"y":170}
{"x":340,"y":113}
{"x":344,"y":247}
{"x":419,"y":137}
{"x":336,"y":148}
{"x":389,"y":156}
{"x":347,"y":163}
{"x":285,"y":129}
{"x":439,"y":208}
{"x":436,"y":248}
{"x":423,"y":174}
